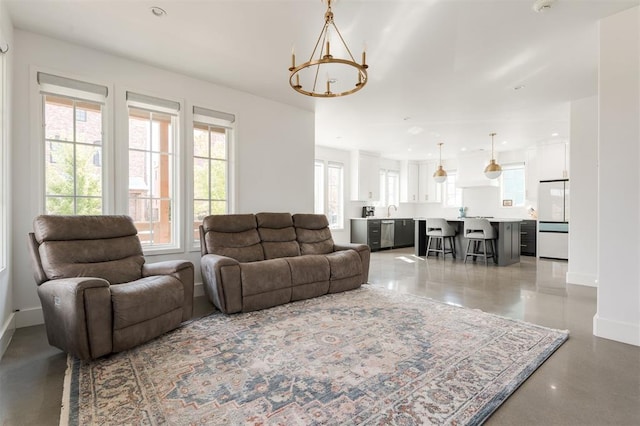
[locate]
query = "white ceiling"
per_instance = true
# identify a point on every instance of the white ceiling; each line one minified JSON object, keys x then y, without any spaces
{"x":448,"y":67}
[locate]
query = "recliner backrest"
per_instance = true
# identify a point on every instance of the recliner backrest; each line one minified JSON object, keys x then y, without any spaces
{"x":278,"y":235}
{"x":232,"y":235}
{"x":86,"y":246}
{"x":313,"y":233}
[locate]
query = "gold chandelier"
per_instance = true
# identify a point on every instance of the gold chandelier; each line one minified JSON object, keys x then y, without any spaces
{"x":335,"y":69}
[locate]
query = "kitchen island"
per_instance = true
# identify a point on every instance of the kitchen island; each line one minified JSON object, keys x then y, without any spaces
{"x":507,"y":244}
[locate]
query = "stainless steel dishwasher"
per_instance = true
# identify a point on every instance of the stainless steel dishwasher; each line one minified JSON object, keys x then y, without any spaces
{"x":387,"y":231}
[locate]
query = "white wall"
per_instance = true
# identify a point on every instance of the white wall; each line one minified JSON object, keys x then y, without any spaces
{"x":583,"y":199}
{"x":7,"y":318}
{"x":274,"y":142}
{"x":618,"y":314}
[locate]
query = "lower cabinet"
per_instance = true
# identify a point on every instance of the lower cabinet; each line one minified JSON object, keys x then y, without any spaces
{"x":368,"y":231}
{"x":404,"y":234}
{"x":528,"y":237}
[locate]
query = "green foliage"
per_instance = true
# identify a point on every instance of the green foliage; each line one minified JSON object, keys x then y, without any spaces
{"x":73,"y":181}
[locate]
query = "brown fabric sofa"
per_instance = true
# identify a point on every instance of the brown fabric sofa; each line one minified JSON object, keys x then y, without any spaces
{"x":252,"y":262}
{"x":98,"y":295}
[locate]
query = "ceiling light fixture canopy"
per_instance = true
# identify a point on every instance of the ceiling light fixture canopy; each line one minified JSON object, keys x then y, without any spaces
{"x":440,"y":175}
{"x":336,"y":70}
{"x":493,"y":170}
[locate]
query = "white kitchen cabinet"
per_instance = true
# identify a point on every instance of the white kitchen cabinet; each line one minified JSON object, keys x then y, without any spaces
{"x":429,"y":191}
{"x":409,"y":177}
{"x":553,"y":161}
{"x":365,"y":176}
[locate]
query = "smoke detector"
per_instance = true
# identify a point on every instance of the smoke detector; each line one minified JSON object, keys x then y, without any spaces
{"x":542,"y":5}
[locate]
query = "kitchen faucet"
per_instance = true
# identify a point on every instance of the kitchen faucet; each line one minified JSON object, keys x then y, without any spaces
{"x":389,"y":209}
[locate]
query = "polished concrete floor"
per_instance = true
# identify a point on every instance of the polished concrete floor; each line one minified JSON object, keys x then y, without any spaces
{"x":588,"y":381}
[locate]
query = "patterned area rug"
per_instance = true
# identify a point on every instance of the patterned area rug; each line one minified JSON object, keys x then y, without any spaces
{"x":368,"y":356}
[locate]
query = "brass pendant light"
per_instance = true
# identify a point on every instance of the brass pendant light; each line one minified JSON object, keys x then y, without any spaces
{"x":440,"y":175}
{"x":493,"y":170}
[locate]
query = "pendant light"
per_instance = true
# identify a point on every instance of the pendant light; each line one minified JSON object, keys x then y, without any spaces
{"x":440,"y":175}
{"x":493,"y":170}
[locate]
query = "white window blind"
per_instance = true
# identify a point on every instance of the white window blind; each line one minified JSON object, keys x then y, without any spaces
{"x":55,"y":84}
{"x":146,"y":102}
{"x":210,"y":116}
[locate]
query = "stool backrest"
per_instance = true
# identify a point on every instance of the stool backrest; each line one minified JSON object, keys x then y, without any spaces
{"x":479,"y":225}
{"x":441,"y":224}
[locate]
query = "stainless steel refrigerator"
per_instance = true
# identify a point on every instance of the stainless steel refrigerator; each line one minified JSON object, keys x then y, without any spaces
{"x":553,"y":219}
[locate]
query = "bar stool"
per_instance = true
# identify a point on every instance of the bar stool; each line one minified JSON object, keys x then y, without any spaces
{"x":440,"y":230}
{"x":478,"y":232}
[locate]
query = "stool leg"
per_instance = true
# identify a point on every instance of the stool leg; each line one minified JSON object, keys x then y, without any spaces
{"x":453,"y":245}
{"x":467,"y":252}
{"x":484,"y":243}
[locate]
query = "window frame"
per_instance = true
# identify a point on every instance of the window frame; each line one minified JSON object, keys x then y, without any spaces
{"x":213,"y":118}
{"x":38,"y":135}
{"x":122,"y":184}
{"x":4,"y":164}
{"x":384,"y":182}
{"x":326,"y":165}
{"x":452,"y":176}
{"x":513,"y":166}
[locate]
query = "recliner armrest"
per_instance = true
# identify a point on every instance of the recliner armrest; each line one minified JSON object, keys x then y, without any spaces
{"x":78,"y":315}
{"x":365,"y":255}
{"x":222,"y":282}
{"x":183,"y":271}
{"x":166,"y":267}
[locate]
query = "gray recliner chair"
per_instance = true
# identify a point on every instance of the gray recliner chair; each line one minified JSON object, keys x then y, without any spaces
{"x":98,"y":295}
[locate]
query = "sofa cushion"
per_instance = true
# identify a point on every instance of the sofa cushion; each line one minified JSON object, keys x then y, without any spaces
{"x":309,"y":275}
{"x":265,"y":276}
{"x":233,"y":235}
{"x":145,"y":299}
{"x":346,"y":270}
{"x":313,"y":233}
{"x":278,"y":235}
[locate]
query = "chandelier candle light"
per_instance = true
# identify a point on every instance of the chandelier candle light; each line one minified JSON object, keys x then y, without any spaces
{"x":493,"y":169}
{"x":440,"y":175}
{"x":335,"y":69}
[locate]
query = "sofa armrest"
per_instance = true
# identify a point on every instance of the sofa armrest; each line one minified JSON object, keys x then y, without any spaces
{"x":78,"y":315}
{"x":183,"y":271}
{"x":222,"y":282}
{"x":365,"y":255}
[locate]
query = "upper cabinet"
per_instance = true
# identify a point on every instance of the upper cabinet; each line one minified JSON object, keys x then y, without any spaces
{"x":553,"y":161}
{"x":471,"y":170}
{"x":409,"y":177}
{"x":428,"y":190}
{"x":365,"y":176}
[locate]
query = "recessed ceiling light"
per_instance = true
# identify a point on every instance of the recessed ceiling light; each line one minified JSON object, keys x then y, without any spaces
{"x":158,"y":11}
{"x":504,"y":142}
{"x":415,"y":130}
{"x":554,"y":134}
{"x":542,"y":5}
{"x":463,"y":149}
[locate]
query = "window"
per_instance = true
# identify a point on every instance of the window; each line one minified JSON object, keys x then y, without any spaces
{"x":211,"y":183}
{"x":452,"y":195}
{"x":3,"y":164}
{"x":329,"y":192}
{"x":318,"y":199}
{"x":513,"y":185}
{"x":153,"y":169}
{"x":73,"y":180}
{"x":389,"y":187}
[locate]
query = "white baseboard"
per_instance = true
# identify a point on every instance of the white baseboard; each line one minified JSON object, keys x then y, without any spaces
{"x":198,"y":290}
{"x":27,"y":317}
{"x":615,"y":330}
{"x":33,"y":316}
{"x":6,"y":333}
{"x":588,"y":280}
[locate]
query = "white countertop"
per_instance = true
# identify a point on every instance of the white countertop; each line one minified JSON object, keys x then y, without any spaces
{"x":490,"y":219}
